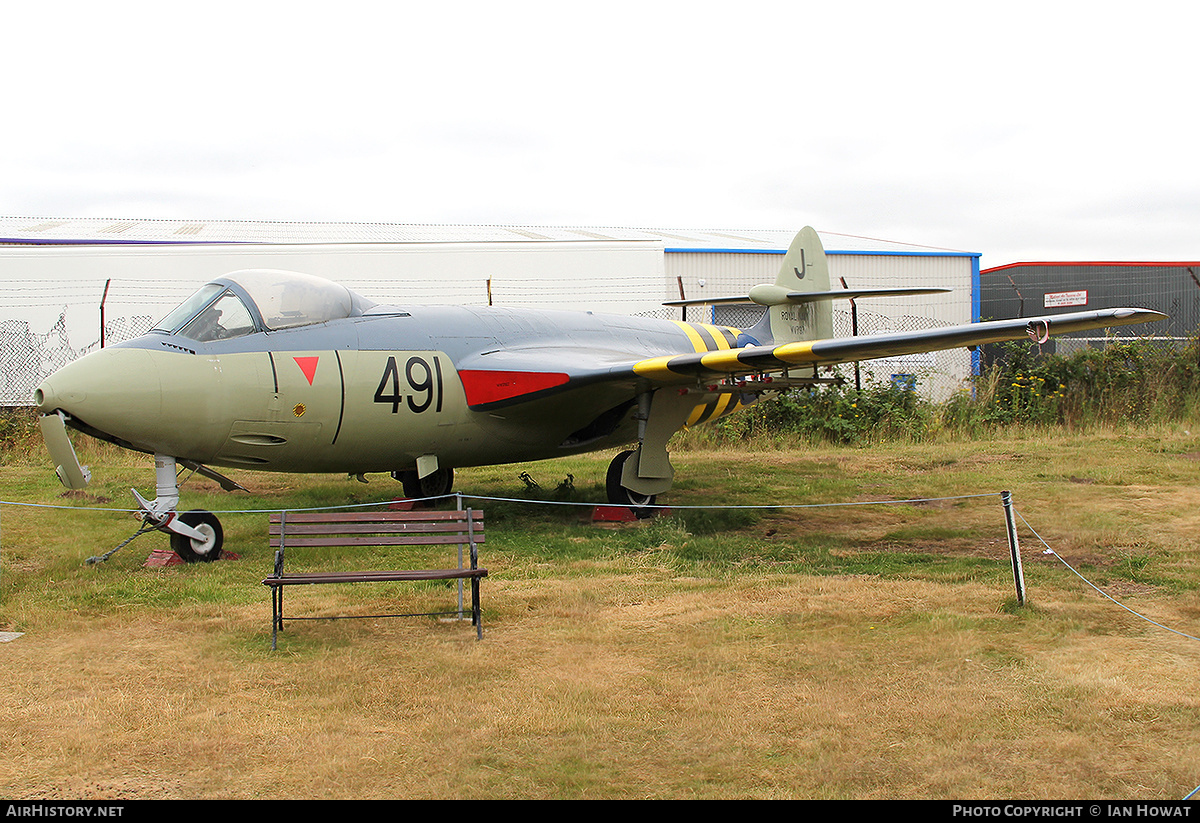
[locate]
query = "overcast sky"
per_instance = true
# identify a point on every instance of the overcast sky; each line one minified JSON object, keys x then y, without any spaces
{"x":1019,"y":130}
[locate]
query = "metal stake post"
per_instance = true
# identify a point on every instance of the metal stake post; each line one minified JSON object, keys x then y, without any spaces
{"x":1014,"y":548}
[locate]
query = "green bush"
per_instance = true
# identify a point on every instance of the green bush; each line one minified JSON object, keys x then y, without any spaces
{"x":1124,"y":382}
{"x":832,"y":414}
{"x":1127,"y":381}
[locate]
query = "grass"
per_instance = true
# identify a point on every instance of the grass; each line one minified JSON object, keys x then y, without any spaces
{"x":865,"y":651}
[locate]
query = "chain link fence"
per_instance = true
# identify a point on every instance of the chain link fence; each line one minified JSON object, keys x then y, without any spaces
{"x":27,"y":356}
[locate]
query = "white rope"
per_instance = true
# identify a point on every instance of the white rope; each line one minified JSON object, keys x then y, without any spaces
{"x":1097,"y":588}
{"x":759,"y":506}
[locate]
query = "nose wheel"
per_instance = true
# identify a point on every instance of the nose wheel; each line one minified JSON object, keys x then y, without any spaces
{"x":202,"y":549}
{"x":196,"y":536}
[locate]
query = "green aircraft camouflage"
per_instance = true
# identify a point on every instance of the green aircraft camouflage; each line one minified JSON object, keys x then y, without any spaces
{"x":286,"y":372}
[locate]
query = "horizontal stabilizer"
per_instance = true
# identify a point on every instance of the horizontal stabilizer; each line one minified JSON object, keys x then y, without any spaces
{"x":768,"y":295}
{"x":710,"y":301}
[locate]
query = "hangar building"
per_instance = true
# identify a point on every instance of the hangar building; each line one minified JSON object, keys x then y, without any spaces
{"x":63,"y":280}
{"x":1041,"y":288}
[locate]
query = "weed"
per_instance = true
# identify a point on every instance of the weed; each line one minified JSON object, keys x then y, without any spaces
{"x":1125,"y":381}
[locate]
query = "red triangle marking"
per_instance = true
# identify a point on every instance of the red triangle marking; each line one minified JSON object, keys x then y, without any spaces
{"x":484,"y":386}
{"x":308,"y":365}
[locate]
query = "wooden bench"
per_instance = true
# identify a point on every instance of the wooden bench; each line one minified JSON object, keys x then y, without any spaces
{"x":295,"y":530}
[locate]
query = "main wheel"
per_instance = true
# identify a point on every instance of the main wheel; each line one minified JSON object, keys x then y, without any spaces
{"x":618,"y":495}
{"x":441,"y":482}
{"x":199,"y":551}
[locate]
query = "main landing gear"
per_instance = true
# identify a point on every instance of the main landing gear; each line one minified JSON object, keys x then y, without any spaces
{"x":437,"y":484}
{"x":636,"y":477}
{"x":196,"y":535}
{"x":618,"y":495}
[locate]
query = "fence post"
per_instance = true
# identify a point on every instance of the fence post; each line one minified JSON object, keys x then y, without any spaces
{"x":1014,"y":548}
{"x":103,"y":298}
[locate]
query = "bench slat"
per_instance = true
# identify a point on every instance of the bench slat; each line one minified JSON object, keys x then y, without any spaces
{"x":302,"y":578}
{"x":372,"y":528}
{"x":353,"y":517}
{"x":301,"y":541}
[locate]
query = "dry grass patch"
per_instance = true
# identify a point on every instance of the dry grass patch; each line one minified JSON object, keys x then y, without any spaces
{"x":858,"y":652}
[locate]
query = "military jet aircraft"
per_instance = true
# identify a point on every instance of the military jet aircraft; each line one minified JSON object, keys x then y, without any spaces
{"x":286,"y":372}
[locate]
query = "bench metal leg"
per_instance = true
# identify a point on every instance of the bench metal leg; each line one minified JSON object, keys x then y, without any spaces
{"x":476,"y":617}
{"x":276,"y":613}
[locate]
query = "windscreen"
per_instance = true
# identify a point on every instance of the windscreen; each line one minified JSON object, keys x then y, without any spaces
{"x":188,"y":309}
{"x":224,"y":318}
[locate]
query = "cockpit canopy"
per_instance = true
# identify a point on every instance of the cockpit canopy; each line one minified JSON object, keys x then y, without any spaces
{"x":256,"y":300}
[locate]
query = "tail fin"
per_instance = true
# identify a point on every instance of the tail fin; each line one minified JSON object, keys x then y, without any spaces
{"x":799,"y":302}
{"x":789,"y":318}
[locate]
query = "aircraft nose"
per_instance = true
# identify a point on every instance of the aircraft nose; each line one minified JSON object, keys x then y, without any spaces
{"x":103,"y":389}
{"x":48,"y":400}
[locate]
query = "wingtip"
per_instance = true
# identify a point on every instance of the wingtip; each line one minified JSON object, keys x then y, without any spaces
{"x":1145,"y":314}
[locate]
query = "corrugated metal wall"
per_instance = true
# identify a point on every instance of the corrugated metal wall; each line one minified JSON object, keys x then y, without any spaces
{"x":1028,"y":289}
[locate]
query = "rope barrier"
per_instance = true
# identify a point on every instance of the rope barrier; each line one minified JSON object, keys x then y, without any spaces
{"x":1051,"y":551}
{"x":459,"y":496}
{"x":758,"y":506}
{"x":454,"y":495}
{"x":763,"y":506}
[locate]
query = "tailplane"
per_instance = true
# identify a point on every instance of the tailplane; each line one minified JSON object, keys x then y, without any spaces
{"x":799,"y":302}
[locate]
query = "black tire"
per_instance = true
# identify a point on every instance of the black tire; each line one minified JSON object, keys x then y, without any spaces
{"x":439,"y":483}
{"x":640,"y":504}
{"x":195,"y":551}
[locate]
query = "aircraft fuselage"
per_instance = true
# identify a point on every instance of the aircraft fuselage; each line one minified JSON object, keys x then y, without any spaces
{"x":373,"y":393}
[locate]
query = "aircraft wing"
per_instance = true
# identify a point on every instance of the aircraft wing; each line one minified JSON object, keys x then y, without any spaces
{"x":682,"y":368}
{"x":505,"y":377}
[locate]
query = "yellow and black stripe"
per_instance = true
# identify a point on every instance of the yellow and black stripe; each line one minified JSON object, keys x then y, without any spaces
{"x":709,"y":341}
{"x":721,"y":357}
{"x":705,"y":339}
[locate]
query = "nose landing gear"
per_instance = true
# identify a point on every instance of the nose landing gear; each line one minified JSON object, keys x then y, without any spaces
{"x":205,"y":549}
{"x":196,"y":535}
{"x":436,"y":484}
